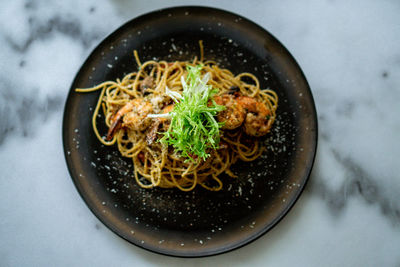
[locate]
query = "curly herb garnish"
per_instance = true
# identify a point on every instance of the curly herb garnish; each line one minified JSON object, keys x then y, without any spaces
{"x":194,"y":129}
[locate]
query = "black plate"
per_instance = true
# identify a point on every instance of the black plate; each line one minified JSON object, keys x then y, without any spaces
{"x":198,"y":223}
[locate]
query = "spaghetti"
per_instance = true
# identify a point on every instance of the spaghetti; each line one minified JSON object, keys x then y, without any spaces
{"x":137,"y":134}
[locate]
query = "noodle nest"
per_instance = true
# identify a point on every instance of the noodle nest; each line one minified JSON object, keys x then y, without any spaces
{"x":158,"y":165}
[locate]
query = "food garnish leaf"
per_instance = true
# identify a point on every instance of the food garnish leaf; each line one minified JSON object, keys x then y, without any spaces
{"x":194,"y":130}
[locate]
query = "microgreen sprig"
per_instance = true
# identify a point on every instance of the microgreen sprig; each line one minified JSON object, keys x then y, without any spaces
{"x":194,"y":130}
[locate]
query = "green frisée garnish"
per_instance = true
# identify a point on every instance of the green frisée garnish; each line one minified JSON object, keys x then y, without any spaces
{"x":194,"y":129}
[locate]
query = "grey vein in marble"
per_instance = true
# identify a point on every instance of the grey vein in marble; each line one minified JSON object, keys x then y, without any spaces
{"x":40,"y":31}
{"x":358,"y":183}
{"x":21,"y":114}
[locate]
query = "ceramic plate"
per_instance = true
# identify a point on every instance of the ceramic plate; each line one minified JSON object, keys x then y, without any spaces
{"x":197,"y":223}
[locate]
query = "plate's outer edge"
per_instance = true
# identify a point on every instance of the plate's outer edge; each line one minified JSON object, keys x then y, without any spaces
{"x":313,"y":132}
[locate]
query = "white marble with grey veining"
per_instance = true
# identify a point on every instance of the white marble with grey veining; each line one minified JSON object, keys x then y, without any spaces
{"x":349,"y":214}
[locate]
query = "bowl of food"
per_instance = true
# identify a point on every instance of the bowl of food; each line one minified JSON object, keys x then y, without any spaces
{"x":190,"y":131}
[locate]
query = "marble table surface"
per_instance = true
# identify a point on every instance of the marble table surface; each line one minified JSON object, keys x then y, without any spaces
{"x":349,"y":214}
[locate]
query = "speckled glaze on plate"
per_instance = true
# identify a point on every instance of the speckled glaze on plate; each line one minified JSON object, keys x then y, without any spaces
{"x":197,"y":223}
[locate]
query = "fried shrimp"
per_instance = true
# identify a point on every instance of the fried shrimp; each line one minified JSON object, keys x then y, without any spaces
{"x":244,"y":110}
{"x":257,"y":121}
{"x":133,"y":116}
{"x":233,"y":115}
